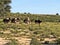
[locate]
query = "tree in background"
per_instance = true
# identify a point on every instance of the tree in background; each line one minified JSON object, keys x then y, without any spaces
{"x":57,"y":13}
{"x":5,"y":7}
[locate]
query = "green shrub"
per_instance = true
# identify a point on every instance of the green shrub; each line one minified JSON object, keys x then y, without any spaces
{"x":58,"y":40}
{"x":42,"y":39}
{"x":34,"y":41}
{"x":46,"y":42}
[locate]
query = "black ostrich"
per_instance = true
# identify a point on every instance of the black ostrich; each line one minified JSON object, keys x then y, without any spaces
{"x":14,"y":20}
{"x":6,"y":20}
{"x":38,"y":22}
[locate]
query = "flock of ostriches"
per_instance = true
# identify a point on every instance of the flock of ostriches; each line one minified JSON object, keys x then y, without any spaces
{"x":26,"y":20}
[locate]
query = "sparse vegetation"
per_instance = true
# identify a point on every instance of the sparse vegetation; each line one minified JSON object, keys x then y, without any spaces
{"x":48,"y":28}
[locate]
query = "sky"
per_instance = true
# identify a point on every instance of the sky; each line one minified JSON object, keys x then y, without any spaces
{"x":36,"y":6}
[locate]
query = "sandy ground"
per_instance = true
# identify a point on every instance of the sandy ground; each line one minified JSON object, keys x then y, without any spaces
{"x":3,"y":41}
{"x":22,"y":40}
